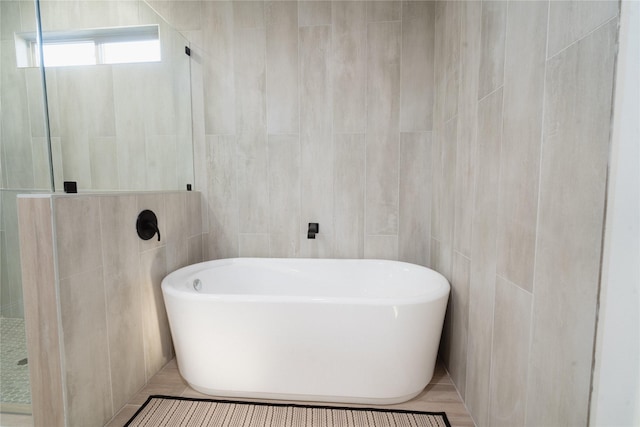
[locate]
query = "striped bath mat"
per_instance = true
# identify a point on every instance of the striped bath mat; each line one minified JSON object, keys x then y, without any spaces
{"x":170,"y":411}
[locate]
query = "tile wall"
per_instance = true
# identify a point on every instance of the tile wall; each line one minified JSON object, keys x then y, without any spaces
{"x":312,"y":111}
{"x":95,"y":308}
{"x":521,"y":137}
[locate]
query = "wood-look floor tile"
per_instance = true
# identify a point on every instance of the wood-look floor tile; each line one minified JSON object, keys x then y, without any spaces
{"x":439,"y":395}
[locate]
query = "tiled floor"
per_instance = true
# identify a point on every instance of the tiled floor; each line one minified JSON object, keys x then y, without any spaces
{"x":439,"y":395}
{"x":14,"y":370}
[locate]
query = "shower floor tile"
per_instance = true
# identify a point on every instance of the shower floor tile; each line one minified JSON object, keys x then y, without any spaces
{"x":15,"y":392}
{"x":439,"y":395}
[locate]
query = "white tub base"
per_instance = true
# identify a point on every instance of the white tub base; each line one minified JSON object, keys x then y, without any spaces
{"x":349,"y":331}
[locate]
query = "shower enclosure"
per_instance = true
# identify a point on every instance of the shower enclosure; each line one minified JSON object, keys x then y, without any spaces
{"x":115,"y":120}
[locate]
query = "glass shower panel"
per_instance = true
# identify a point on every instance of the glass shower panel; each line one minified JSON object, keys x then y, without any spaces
{"x":124,"y":126}
{"x":24,"y":168}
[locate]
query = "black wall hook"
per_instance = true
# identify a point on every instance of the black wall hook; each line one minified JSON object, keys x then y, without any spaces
{"x":147,"y":225}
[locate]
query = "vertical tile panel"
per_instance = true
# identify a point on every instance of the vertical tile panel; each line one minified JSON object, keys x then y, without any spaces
{"x":349,"y":66}
{"x":578,"y":92}
{"x":196,"y":246}
{"x":160,"y":173}
{"x":17,"y":156}
{"x":222,"y":198}
{"x":483,"y":257}
{"x":316,"y":105}
{"x":417,"y":81}
{"x":121,"y":279}
{"x":382,"y":183}
{"x":78,"y":241}
{"x":41,"y":310}
{"x":471,"y":12}
{"x":520,"y":156}
{"x":312,"y":13}
{"x":33,"y":97}
{"x":383,"y":95}
{"x":252,"y":163}
{"x":156,"y":88}
{"x":415,"y":198}
{"x":86,"y":347}
{"x":447,"y":197}
{"x":438,"y":121}
{"x":194,"y":212}
{"x":282,"y":66}
{"x":383,"y":10}
{"x":439,"y":64}
{"x":381,"y":247}
{"x":130,"y":134}
{"x":316,"y":144}
{"x":470,"y":52}
{"x":185,"y":15}
{"x":436,"y":182}
{"x":126,"y":350}
{"x":76,"y":120}
{"x":451,"y":58}
{"x":219,"y":92}
{"x":177,"y":230}
{"x":435,"y":253}
{"x":284,"y":192}
{"x":40,"y":152}
{"x":510,"y":356}
{"x":253,"y":245}
{"x":158,"y":347}
{"x":459,"y":308}
{"x":12,"y":299}
{"x":248,"y":14}
{"x":119,"y":240}
{"x":250,"y":83}
{"x":103,"y":158}
{"x":383,"y":77}
{"x":570,"y":20}
{"x":494,"y":14}
{"x":349,"y":185}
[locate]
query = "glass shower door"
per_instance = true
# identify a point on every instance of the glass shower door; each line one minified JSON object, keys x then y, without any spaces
{"x":24,"y":168}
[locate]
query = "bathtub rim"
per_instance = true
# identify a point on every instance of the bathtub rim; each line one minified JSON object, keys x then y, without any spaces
{"x":440,"y":289}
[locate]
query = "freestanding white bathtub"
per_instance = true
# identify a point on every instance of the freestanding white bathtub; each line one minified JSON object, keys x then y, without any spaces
{"x":359,"y":331}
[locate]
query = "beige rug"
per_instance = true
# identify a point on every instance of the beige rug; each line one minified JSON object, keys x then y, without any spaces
{"x":182,"y":412}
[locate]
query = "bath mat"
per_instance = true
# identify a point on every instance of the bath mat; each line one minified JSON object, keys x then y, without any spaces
{"x":160,"y":411}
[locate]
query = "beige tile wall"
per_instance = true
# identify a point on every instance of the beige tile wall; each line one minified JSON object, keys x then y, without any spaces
{"x":528,"y":87}
{"x":114,"y":332}
{"x":312,"y":112}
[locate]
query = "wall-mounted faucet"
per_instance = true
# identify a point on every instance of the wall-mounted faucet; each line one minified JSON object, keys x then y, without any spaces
{"x":147,"y":225}
{"x":313,"y":229}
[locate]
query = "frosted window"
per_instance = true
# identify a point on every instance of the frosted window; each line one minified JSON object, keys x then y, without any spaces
{"x":62,"y":54}
{"x":127,"y":52}
{"x":117,"y":45}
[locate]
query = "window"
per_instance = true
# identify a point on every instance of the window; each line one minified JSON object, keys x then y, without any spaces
{"x":90,"y":47}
